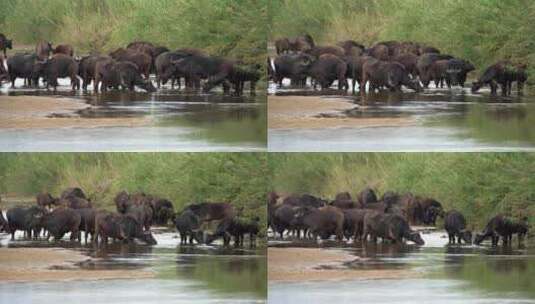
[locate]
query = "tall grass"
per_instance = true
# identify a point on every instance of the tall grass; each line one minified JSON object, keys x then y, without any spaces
{"x":479,"y":185}
{"x":236,"y":28}
{"x":184,"y":178}
{"x":483,"y":31}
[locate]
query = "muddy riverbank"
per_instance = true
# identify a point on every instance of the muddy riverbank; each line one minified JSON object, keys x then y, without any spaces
{"x":55,"y":264}
{"x":42,"y":112}
{"x":316,"y":112}
{"x":316,"y":264}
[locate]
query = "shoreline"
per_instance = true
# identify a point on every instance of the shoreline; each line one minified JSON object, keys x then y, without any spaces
{"x":20,"y":265}
{"x":317,"y":112}
{"x":288,"y":265}
{"x":40,"y":112}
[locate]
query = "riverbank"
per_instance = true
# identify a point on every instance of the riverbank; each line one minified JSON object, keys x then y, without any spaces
{"x":54,"y":264}
{"x":38,"y":112}
{"x":317,"y":112}
{"x":315,"y":264}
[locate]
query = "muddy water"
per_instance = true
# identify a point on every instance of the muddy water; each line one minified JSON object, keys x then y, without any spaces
{"x":446,"y":274}
{"x":178,"y":121}
{"x":441,"y":120}
{"x":182,"y":274}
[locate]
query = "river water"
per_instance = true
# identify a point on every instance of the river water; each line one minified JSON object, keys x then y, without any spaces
{"x":445,"y":274}
{"x":183,"y":274}
{"x":179,"y":121}
{"x":441,"y":120}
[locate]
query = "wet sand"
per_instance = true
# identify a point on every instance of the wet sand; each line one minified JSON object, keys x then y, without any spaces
{"x":37,"y":112}
{"x":315,"y":112}
{"x":54,"y":264}
{"x":315,"y":264}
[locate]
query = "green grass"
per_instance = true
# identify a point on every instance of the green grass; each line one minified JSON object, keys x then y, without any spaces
{"x":181,"y":177}
{"x":235,"y":28}
{"x":479,"y":185}
{"x":483,"y":31}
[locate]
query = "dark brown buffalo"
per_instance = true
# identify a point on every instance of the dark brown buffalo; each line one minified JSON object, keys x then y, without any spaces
{"x":142,"y":60}
{"x":43,"y":49}
{"x":122,"y":74}
{"x":431,"y":210}
{"x":391,"y":75}
{"x":61,"y":221}
{"x":455,"y":225}
{"x":87,"y":68}
{"x":73,"y":192}
{"x":143,"y":47}
{"x":344,"y":204}
{"x":379,"y":52}
{"x":197,"y":67}
{"x":65,"y":49}
{"x":326,"y":70}
{"x":75,"y":202}
{"x":354,"y":69}
{"x":504,"y":74}
{"x":87,"y":221}
{"x":133,"y":230}
{"x":23,"y":66}
{"x":282,"y":218}
{"x":318,"y":51}
{"x":25,"y":219}
{"x":237,"y":228}
{"x":366,"y":196}
{"x":108,"y":225}
{"x":5,"y":44}
{"x":282,"y":45}
{"x":354,"y":223}
{"x":322,"y":222}
{"x":212,"y":211}
{"x":163,"y":211}
{"x":242,"y":74}
{"x":425,"y":63}
{"x":188,"y":225}
{"x":292,"y":66}
{"x":166,"y":70}
{"x":305,"y":200}
{"x":409,"y":61}
{"x":46,"y":200}
{"x":59,"y":66}
{"x":352,"y":48}
{"x":138,"y":205}
{"x":301,"y":43}
{"x":501,"y":226}
{"x":389,"y":227}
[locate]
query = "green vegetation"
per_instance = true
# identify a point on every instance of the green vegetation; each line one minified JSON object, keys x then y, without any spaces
{"x":483,"y":31}
{"x":184,"y":178}
{"x":235,"y":28}
{"x":479,"y":185}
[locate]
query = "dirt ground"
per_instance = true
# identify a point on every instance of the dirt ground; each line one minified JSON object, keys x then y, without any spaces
{"x":315,"y":264}
{"x":54,"y":264}
{"x":316,"y":112}
{"x":31,"y":112}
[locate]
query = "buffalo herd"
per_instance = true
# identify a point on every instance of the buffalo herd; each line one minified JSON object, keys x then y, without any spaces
{"x":369,"y":217}
{"x":387,"y":64}
{"x":127,"y":68}
{"x":74,"y":212}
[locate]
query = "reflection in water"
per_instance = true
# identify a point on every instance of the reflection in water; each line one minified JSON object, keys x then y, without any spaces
{"x":178,"y":120}
{"x":203,"y":274}
{"x":440,"y":120}
{"x":450,"y":274}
